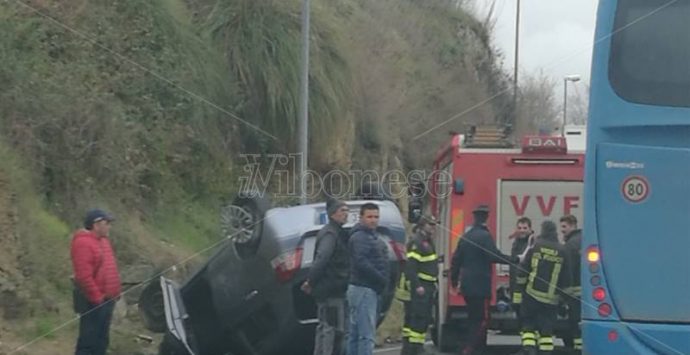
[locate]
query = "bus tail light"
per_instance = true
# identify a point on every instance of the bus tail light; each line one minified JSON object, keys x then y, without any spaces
{"x":613,"y":335}
{"x":594,"y":268}
{"x":604,"y":310}
{"x":599,"y":294}
{"x":593,"y":255}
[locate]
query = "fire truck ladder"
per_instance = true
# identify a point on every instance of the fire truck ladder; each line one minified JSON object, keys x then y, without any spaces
{"x":488,"y":137}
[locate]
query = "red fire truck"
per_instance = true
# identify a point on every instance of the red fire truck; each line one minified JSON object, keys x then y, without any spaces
{"x":541,"y":180}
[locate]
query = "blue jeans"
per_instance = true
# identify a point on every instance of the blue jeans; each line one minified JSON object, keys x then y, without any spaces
{"x":363,"y":305}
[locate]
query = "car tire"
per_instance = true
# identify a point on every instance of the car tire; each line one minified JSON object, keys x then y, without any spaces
{"x":152,"y":308}
{"x":241,"y":221}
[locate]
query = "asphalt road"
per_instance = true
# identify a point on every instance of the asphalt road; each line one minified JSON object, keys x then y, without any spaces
{"x":498,"y":345}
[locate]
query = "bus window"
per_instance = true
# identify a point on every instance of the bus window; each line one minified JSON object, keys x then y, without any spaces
{"x":650,"y":52}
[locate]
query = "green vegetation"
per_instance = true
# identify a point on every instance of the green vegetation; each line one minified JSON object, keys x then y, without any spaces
{"x":262,"y":42}
{"x":144,"y":107}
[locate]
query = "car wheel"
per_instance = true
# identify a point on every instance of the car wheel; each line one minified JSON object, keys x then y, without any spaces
{"x":241,"y":221}
{"x":152,"y":308}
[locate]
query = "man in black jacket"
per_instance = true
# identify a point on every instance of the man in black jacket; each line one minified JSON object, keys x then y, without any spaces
{"x":369,"y":273}
{"x":572,"y":237}
{"x":472,"y":264}
{"x":328,"y":279}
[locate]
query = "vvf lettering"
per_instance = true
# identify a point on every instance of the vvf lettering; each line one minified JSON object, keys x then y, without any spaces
{"x":545,"y":204}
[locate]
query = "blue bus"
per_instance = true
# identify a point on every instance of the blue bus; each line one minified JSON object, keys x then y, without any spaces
{"x":636,"y":245}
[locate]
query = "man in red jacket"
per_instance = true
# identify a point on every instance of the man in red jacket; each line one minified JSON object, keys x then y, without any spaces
{"x":96,"y":276}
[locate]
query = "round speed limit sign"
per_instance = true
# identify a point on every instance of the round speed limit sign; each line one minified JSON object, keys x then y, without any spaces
{"x":635,"y":189}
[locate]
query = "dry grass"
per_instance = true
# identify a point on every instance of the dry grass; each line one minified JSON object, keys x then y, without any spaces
{"x":392,"y":325}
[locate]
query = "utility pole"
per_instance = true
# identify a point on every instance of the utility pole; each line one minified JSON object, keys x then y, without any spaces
{"x":517,"y":51}
{"x":303,"y":127}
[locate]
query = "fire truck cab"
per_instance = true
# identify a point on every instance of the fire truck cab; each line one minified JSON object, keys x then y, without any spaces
{"x":541,"y":179}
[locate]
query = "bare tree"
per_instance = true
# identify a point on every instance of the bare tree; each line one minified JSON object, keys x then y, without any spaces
{"x":537,"y":106}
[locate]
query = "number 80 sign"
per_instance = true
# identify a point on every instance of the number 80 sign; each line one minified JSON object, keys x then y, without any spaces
{"x":635,"y":189}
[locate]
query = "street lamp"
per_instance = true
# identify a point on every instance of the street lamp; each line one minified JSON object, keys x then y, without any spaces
{"x":574,"y":78}
{"x":303,"y":130}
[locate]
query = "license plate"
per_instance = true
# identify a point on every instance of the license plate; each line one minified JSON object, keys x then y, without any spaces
{"x":352,"y":217}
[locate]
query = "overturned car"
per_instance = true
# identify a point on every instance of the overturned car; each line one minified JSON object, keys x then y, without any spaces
{"x":246,"y":299}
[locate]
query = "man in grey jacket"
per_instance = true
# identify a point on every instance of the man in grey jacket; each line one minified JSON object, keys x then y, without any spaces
{"x":328,"y":280}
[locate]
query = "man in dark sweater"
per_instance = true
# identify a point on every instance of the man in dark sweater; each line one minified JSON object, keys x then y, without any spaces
{"x":572,"y":237}
{"x":369,"y":271}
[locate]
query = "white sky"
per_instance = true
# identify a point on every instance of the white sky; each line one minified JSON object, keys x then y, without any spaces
{"x":555,"y":35}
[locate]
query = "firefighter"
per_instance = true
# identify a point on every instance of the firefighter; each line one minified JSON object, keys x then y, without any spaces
{"x":471,"y":267}
{"x":546,"y":263}
{"x":521,"y":238}
{"x":572,"y":237}
{"x":418,"y":285}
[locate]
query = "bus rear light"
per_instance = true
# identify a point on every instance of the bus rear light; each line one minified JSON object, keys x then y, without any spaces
{"x":595,"y":280}
{"x":599,"y":294}
{"x":604,"y":310}
{"x":594,"y":268}
{"x":613,"y":335}
{"x":593,"y":254}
